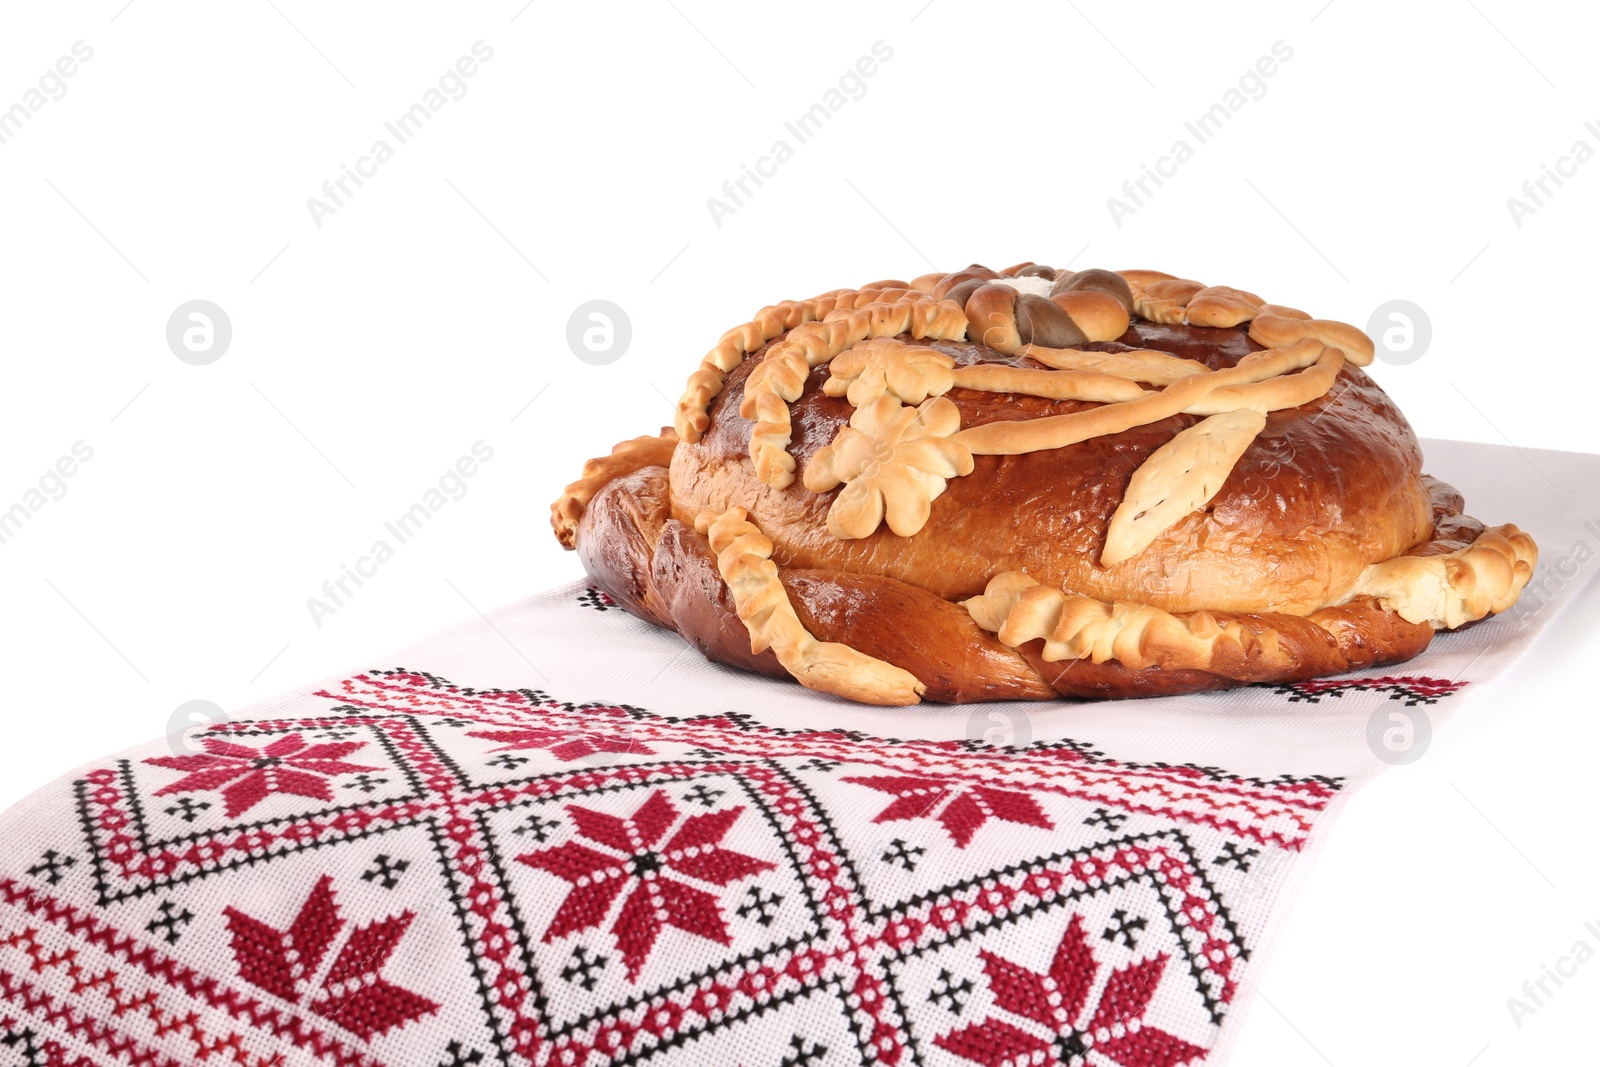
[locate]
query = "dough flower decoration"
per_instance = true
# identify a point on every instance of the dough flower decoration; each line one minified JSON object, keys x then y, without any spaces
{"x":885,"y":367}
{"x":893,"y":461}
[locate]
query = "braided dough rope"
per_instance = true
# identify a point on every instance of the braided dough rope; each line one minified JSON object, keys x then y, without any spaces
{"x":1089,"y":385}
{"x":1162,"y":300}
{"x":912,"y":373}
{"x":1222,"y":305}
{"x":1006,"y":313}
{"x":1140,"y":365}
{"x":1275,"y":329}
{"x":1058,"y":431}
{"x":1455,"y":588}
{"x":706,"y":382}
{"x":1160,"y":297}
{"x":625,"y":458}
{"x":780,"y":378}
{"x":744,"y":559}
{"x":1017,"y":609}
{"x":1445,"y":591}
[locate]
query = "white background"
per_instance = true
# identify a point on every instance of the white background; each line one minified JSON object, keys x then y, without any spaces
{"x":429,"y":312}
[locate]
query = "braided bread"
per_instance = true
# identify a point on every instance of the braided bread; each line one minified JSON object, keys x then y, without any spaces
{"x":1029,"y":482}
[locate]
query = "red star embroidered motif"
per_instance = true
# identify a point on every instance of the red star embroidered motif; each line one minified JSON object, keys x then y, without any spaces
{"x":1048,"y":1010}
{"x":352,"y":993}
{"x":661,"y":883}
{"x":247,"y":776}
{"x":962,"y":808}
{"x":566,"y":745}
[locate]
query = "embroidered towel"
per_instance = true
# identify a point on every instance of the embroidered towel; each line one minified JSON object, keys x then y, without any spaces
{"x":556,"y":835}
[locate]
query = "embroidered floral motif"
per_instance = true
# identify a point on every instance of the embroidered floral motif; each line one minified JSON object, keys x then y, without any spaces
{"x":567,"y":745}
{"x":247,"y":776}
{"x":1041,"y":1017}
{"x":662,"y":882}
{"x":960,"y":808}
{"x":353,"y":993}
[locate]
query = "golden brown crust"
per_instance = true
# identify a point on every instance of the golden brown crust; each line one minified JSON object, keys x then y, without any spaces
{"x":683,"y":571}
{"x":744,"y":559}
{"x":1299,"y":538}
{"x":1222,"y":305}
{"x":992,"y":318}
{"x":1305,"y":549}
{"x":940,"y":643}
{"x":625,"y":458}
{"x":956,"y":661}
{"x":1274,"y":330}
{"x":616,"y":539}
{"x":1099,"y":316}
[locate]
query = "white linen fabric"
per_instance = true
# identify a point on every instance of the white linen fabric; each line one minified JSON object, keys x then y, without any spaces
{"x":557,"y":835}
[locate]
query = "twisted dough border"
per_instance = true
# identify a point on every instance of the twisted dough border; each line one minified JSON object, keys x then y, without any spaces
{"x":730,"y":350}
{"x":1445,"y":591}
{"x":1160,"y":297}
{"x":780,"y":378}
{"x":1017,"y":609}
{"x":1454,"y":588}
{"x":625,"y":458}
{"x":744,"y":559}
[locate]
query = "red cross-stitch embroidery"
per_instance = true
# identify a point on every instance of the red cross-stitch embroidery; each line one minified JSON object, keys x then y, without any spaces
{"x":352,"y":993}
{"x":568,"y":885}
{"x":965,"y":807}
{"x":629,"y":859}
{"x":1412,"y":689}
{"x":246,"y":776}
{"x":1044,"y":1013}
{"x":566,"y":745}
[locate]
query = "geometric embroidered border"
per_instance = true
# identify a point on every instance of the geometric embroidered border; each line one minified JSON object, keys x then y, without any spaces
{"x":475,"y":877}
